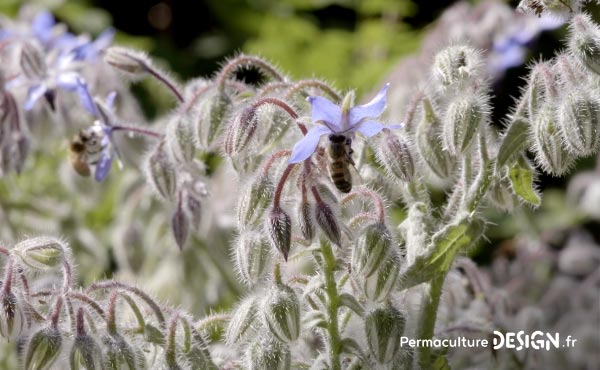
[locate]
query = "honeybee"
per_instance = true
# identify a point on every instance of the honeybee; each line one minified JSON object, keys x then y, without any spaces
{"x":340,"y":155}
{"x":86,"y":149}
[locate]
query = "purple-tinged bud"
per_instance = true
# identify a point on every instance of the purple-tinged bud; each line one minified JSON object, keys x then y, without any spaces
{"x":119,"y":355}
{"x":43,"y":349}
{"x":279,"y":229}
{"x":241,"y":131}
{"x":42,"y":252}
{"x":384,"y":327}
{"x":579,"y":121}
{"x":371,"y":249}
{"x":464,"y":117}
{"x":548,"y":147}
{"x":160,"y":171}
{"x":327,"y":221}
{"x":456,"y":65}
{"x":198,"y":357}
{"x":584,"y":41}
{"x":128,"y":61}
{"x":180,"y":138}
{"x":254,"y":202}
{"x":378,"y":286}
{"x":242,"y":319}
{"x":193,"y":206}
{"x":268,"y":354}
{"x":180,"y":225}
{"x":306,"y":220}
{"x":86,"y":354}
{"x":33,"y":62}
{"x":211,"y":112}
{"x":12,"y":316}
{"x":394,"y":153}
{"x":252,"y":255}
{"x":429,"y":144}
{"x":281,"y":312}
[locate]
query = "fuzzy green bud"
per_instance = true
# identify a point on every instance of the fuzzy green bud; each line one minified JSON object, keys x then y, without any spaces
{"x":180,"y":225}
{"x":33,"y":61}
{"x":429,"y":144}
{"x":252,"y":255}
{"x":279,"y":229}
{"x":462,"y":121}
{"x":254,"y":201}
{"x":380,"y":284}
{"x":242,"y":319}
{"x":12,"y":316}
{"x":281,"y":310}
{"x":584,"y":41}
{"x":579,"y":122}
{"x":41,"y":252}
{"x":371,"y":249}
{"x":43,"y":349}
{"x":455,"y":65}
{"x":241,"y":131}
{"x":128,"y":61}
{"x":180,"y":138}
{"x":327,"y":221}
{"x":548,"y":147}
{"x":211,"y":112}
{"x":85,"y":354}
{"x":384,"y":327}
{"x":268,"y":354}
{"x":394,"y":153}
{"x":305,"y":220}
{"x":160,"y":171}
{"x":119,"y":355}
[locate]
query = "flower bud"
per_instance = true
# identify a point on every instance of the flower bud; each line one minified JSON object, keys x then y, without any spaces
{"x":429,"y":144}
{"x":85,"y":354}
{"x":255,"y":200}
{"x":579,"y":122}
{"x":584,"y":41}
{"x":33,"y":62}
{"x":268,"y":354}
{"x":43,"y":349}
{"x":193,"y":206}
{"x":417,"y":226}
{"x":12,"y":316}
{"x":501,"y":196}
{"x":455,"y":65}
{"x":464,"y":117}
{"x":281,"y":310}
{"x":41,"y":252}
{"x":394,"y":153}
{"x":327,"y":221}
{"x":119,"y":355}
{"x":371,"y":249}
{"x":241,"y":131}
{"x":160,"y":171}
{"x":548,"y":147}
{"x":279,"y":228}
{"x":242,"y":319}
{"x":384,"y":327}
{"x":252,"y":256}
{"x":180,"y":138}
{"x":305,"y":220}
{"x":211,"y":112}
{"x":127,"y":60}
{"x":180,"y":225}
{"x":379,"y":285}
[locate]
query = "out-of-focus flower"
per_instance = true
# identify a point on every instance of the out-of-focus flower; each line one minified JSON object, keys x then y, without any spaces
{"x":341,"y":120}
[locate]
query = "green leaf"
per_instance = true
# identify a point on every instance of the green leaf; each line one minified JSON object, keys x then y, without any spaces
{"x":521,"y":177}
{"x":515,"y":140}
{"x":351,"y":302}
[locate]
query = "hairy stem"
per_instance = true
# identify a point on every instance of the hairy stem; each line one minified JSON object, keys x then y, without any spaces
{"x":329,"y":267}
{"x":426,"y":324}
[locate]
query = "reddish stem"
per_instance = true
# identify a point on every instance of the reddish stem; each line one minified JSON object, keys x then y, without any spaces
{"x":269,"y":162}
{"x":282,"y":180}
{"x":138,"y":130}
{"x":283,"y":105}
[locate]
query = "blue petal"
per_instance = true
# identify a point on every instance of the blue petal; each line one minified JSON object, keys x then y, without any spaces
{"x":372,"y":109}
{"x":110,"y":99}
{"x":33,"y":94}
{"x":326,"y":111}
{"x":86,"y":99}
{"x":42,"y":25}
{"x":103,"y":166}
{"x":370,"y":128}
{"x":305,"y":147}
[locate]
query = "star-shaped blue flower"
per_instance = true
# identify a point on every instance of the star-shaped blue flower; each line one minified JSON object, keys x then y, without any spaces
{"x":344,"y":120}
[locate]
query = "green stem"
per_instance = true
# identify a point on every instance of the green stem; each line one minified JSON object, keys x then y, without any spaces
{"x":329,"y":266}
{"x":426,"y":326}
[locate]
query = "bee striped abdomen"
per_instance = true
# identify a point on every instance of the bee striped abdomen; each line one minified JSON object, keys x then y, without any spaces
{"x":339,"y":160}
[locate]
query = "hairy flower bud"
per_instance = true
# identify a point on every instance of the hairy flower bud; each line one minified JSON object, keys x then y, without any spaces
{"x":193,"y":206}
{"x":584,"y":41}
{"x":33,"y":61}
{"x":241,"y":131}
{"x":12,"y":316}
{"x":160,"y":171}
{"x":43,"y":349}
{"x":305,"y":220}
{"x":41,"y":252}
{"x":242,"y":319}
{"x":268,"y":354}
{"x":281,"y":310}
{"x":371,"y":249}
{"x":211,"y":112}
{"x":384,"y":327}
{"x":254,"y":201}
{"x":279,"y":229}
{"x":127,"y":60}
{"x":579,"y":122}
{"x":455,"y":65}
{"x":118,"y":354}
{"x":429,"y":144}
{"x":180,"y":138}
{"x":548,"y":147}
{"x":394,"y":153}
{"x":379,"y":285}
{"x":327,"y":221}
{"x":180,"y":225}
{"x":252,"y":255}
{"x":463,"y":119}
{"x":85,"y":354}
{"x":417,"y":226}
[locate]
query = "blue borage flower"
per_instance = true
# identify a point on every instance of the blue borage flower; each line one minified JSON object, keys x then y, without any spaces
{"x":341,"y":120}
